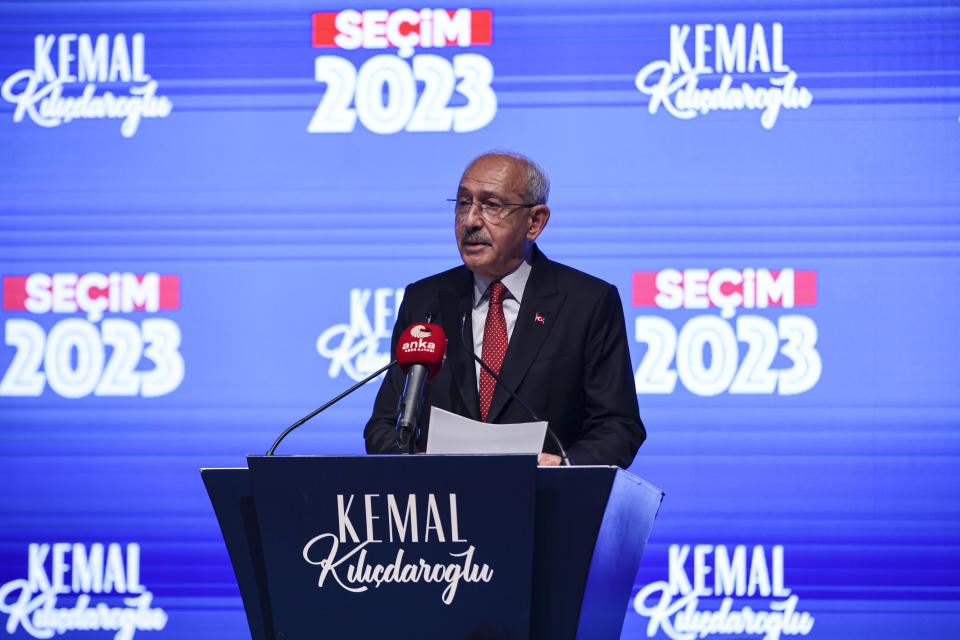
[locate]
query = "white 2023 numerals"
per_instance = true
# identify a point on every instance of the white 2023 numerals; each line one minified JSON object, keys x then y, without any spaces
{"x":74,"y":362}
{"x":385,"y":97}
{"x":725,"y":371}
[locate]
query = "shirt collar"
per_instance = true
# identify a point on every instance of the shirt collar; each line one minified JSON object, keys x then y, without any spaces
{"x":515,"y":282}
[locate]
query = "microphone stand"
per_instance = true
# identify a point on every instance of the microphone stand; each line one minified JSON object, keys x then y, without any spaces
{"x":564,"y":460}
{"x":332,"y":402}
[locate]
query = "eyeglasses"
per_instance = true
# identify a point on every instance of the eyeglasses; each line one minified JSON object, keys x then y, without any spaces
{"x":492,"y":211}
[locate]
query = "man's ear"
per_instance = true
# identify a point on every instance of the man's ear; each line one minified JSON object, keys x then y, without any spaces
{"x":539,"y":215}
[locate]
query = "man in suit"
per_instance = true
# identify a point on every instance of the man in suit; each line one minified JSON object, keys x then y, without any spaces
{"x":555,"y":335}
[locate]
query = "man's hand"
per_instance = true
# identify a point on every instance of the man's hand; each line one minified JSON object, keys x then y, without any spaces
{"x":548,"y":460}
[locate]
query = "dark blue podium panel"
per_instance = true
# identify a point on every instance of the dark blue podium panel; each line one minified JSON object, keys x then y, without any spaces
{"x":356,"y":542}
{"x":232,"y":498}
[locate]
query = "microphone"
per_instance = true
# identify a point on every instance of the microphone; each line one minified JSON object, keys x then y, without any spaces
{"x":420,"y":351}
{"x":563,"y":452}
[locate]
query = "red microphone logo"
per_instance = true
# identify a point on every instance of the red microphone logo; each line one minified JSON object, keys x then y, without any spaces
{"x":422,"y":344}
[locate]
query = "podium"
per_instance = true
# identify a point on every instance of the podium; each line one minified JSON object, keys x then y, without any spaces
{"x":473,"y":547}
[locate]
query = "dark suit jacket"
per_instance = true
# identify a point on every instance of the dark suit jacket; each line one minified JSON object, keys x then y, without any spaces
{"x":573,"y":369}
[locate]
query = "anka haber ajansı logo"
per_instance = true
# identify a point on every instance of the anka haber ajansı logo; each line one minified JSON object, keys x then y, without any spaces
{"x":411,"y":47}
{"x":62,"y":85}
{"x":419,"y":342}
{"x":705,"y":353}
{"x":727,"y":581}
{"x":703,"y":52}
{"x":105,"y":352}
{"x":77,"y":587}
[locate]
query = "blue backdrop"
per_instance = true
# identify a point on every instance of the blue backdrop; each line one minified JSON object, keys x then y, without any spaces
{"x":209,"y":212}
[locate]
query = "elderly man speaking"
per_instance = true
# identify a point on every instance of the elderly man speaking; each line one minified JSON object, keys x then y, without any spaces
{"x":555,"y":335}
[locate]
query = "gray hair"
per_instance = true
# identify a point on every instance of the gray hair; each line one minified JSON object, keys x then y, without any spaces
{"x":538,"y":182}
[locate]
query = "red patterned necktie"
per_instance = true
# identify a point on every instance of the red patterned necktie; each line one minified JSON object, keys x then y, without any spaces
{"x":494,"y":345}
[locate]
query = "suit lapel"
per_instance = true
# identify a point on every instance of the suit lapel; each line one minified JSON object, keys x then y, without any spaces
{"x":453,"y":305}
{"x":538,"y":314}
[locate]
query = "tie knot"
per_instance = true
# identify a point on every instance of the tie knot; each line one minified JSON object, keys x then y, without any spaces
{"x":498,"y":291}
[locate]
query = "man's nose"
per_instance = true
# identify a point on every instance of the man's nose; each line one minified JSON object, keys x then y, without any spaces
{"x":474,"y":218}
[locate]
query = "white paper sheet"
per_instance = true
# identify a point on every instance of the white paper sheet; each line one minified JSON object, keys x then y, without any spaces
{"x":451,"y":433}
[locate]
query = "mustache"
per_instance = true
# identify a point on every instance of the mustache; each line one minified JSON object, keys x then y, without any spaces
{"x":475,"y":235}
